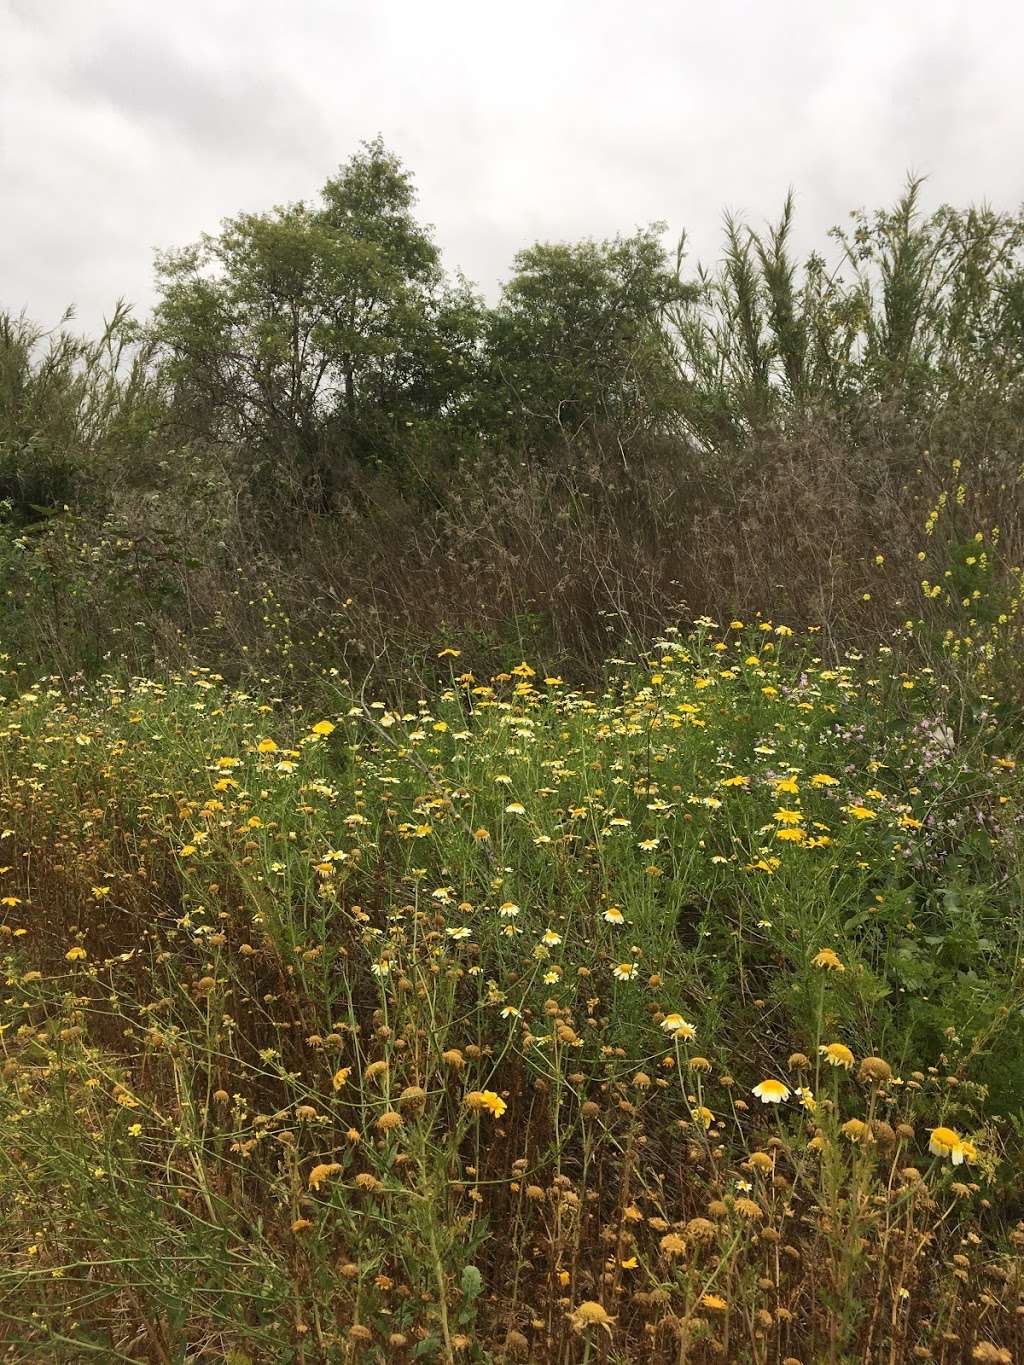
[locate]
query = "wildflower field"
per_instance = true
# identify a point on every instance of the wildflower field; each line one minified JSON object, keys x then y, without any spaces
{"x":679,"y":1019}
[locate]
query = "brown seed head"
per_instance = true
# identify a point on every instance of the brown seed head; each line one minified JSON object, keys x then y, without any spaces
{"x":590,"y":1314}
{"x":874,"y":1071}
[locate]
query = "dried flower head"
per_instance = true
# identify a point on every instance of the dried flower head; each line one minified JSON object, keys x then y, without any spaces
{"x":856,"y":1130}
{"x":874,"y":1071}
{"x":590,"y":1314}
{"x":747,"y":1208}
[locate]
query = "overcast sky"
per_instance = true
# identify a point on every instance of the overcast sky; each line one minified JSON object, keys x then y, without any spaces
{"x":127,"y":125}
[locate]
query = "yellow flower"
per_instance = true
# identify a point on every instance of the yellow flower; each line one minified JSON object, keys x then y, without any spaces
{"x":614,"y":915}
{"x":771,"y":1091}
{"x":323,"y":727}
{"x":861,"y":812}
{"x":837,"y":1054}
{"x":788,"y":817}
{"x":714,"y":1303}
{"x":947,"y":1142}
{"x":943,"y":1141}
{"x":678,"y":1027}
{"x":624,"y":971}
{"x":76,"y":954}
{"x":829,"y":960}
{"x":486,"y":1099}
{"x":340,"y":1077}
{"x":824,"y":780}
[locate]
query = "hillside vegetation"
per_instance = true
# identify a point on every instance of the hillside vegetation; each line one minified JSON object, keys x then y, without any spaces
{"x":323,"y":452}
{"x":511,"y":834}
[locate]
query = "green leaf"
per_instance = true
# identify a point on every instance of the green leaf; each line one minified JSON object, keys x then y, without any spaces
{"x":472,"y":1282}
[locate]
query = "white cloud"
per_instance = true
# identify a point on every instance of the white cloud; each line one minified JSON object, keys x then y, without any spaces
{"x":126,"y":126}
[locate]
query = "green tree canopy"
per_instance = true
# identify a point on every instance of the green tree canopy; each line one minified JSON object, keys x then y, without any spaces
{"x":578,"y":343}
{"x":311,"y":333}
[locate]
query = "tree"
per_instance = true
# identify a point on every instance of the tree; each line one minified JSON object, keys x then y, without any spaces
{"x":577,"y":343}
{"x":920,"y":314}
{"x":73,"y":411}
{"x":311,"y":333}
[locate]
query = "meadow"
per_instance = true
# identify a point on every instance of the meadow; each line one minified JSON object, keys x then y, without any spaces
{"x":678,"y":1019}
{"x":511,"y":835}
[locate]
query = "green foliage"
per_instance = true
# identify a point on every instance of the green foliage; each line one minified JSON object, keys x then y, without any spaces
{"x":577,"y":344}
{"x":920,"y":312}
{"x":316,"y":407}
{"x":73,"y":412}
{"x":310,"y":335}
